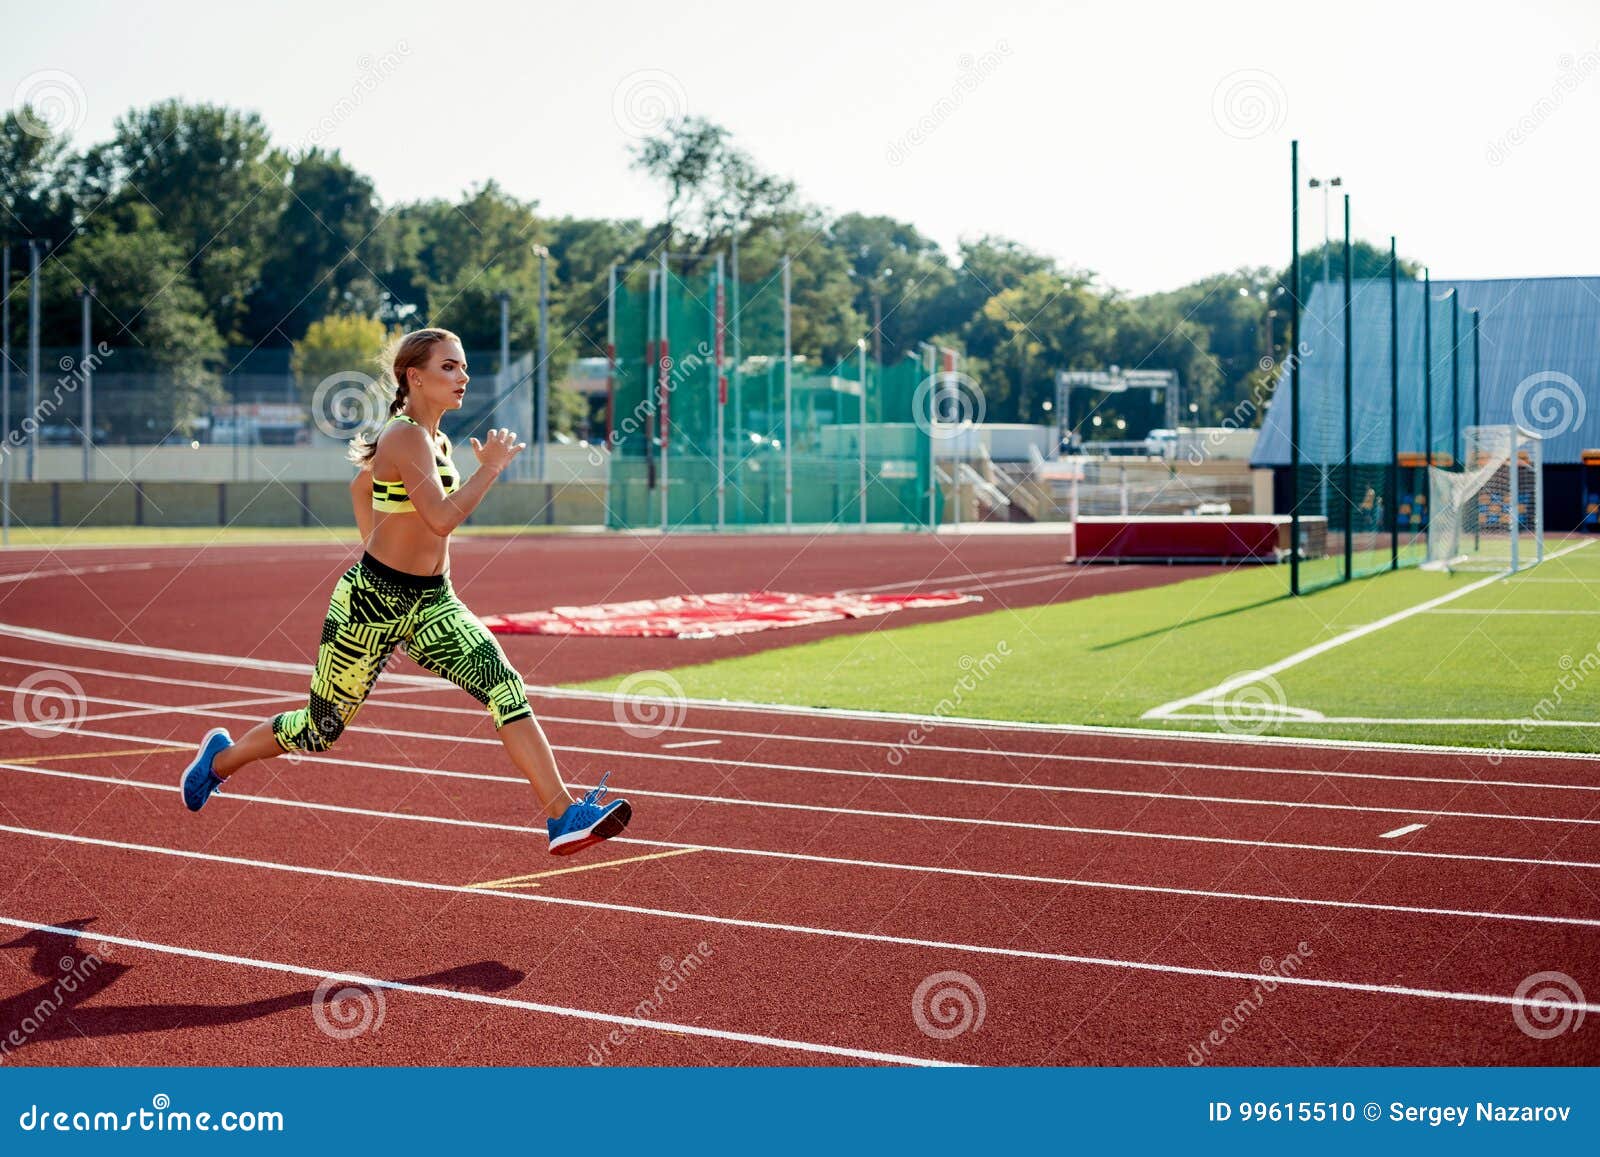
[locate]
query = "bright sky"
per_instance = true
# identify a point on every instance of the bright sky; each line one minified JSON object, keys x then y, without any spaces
{"x":1148,"y":142}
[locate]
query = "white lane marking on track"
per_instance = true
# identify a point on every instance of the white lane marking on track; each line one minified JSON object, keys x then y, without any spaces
{"x":480,"y":997}
{"x":870,"y":937}
{"x":1405,"y":831}
{"x":376,"y":699}
{"x":803,"y":769}
{"x":691,"y":743}
{"x":1112,"y":832}
{"x":1227,"y":686}
{"x":950,"y":722}
{"x":978,"y":874}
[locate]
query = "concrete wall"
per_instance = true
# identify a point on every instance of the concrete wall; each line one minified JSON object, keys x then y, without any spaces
{"x":277,"y":504}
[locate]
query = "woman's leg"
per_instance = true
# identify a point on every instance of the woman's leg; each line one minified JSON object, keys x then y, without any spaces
{"x":358,"y":636}
{"x":449,"y":640}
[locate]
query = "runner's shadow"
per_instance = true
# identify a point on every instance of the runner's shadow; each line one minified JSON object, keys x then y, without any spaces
{"x":73,"y":975}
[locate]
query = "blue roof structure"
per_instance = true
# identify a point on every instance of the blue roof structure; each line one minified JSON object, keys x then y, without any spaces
{"x":1540,"y":344}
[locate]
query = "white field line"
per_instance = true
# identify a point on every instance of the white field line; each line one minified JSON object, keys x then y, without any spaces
{"x":1070,"y":577}
{"x":1174,"y":837}
{"x":843,"y":934}
{"x":429,"y":682}
{"x":1228,"y":686}
{"x":1504,"y":611}
{"x":477,"y":997}
{"x":802,"y":769}
{"x":1289,"y":721}
{"x":376,"y":700}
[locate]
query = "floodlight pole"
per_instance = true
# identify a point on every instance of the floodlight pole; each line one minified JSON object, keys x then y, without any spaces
{"x":1294,"y":368}
{"x":1349,"y":425}
{"x":664,"y":354}
{"x":542,"y":410}
{"x":1455,"y":378}
{"x":788,"y":401}
{"x":1427,"y":378}
{"x":33,"y":355}
{"x":722,"y":396}
{"x":86,"y":372}
{"x":611,"y":354}
{"x":933,"y":418}
{"x":861,"y":433}
{"x":1394,"y":409}
{"x":1477,"y":375}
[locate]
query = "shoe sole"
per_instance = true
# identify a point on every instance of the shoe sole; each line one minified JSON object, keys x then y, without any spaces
{"x":205,"y":742}
{"x":612,"y":825}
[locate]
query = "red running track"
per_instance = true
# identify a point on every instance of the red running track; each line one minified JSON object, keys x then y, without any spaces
{"x":791,"y":882}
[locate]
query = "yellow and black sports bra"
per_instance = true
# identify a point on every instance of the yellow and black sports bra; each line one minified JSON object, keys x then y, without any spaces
{"x":392,"y":498}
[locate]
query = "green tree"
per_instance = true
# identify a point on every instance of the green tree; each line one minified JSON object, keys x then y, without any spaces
{"x":161,"y":379}
{"x":33,"y":179}
{"x":340,"y":342}
{"x":217,"y":185}
{"x":899,"y":276}
{"x":323,"y":252}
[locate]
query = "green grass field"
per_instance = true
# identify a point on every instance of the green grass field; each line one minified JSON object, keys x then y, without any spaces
{"x":1111,"y":659}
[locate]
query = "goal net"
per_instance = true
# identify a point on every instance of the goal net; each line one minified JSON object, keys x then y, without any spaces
{"x":1489,"y":513}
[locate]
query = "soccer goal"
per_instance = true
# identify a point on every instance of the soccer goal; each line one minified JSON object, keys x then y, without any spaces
{"x":1489,"y":514}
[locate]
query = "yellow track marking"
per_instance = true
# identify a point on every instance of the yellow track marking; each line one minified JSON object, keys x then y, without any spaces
{"x":100,"y":754}
{"x":524,"y":880}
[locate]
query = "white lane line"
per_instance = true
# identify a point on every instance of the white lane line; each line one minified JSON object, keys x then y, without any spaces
{"x":1504,"y":611}
{"x":1228,"y":686}
{"x":376,"y":699}
{"x":840,"y":934}
{"x":1407,"y":830}
{"x":691,"y":743}
{"x":978,"y":874}
{"x":479,"y":997}
{"x":71,"y":726}
{"x":1073,"y":577}
{"x":1161,"y":735}
{"x":1062,"y":828}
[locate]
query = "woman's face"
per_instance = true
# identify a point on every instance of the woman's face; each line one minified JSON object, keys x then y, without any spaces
{"x":442,"y":383}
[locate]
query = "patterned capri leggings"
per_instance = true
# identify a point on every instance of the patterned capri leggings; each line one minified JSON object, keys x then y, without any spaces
{"x":375,"y":609}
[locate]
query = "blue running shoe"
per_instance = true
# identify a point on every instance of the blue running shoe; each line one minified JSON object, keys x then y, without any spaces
{"x":588,"y":821}
{"x":199,"y":781}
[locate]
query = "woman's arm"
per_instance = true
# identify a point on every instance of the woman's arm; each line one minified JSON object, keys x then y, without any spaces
{"x":361,"y":499}
{"x":442,"y":512}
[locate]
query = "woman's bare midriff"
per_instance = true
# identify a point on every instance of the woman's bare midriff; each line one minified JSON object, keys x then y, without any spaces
{"x":403,"y":541}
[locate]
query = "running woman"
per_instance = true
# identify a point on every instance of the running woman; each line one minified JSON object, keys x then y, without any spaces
{"x":408,"y":498}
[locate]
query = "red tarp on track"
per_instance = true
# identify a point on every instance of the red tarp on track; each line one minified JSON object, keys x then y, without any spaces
{"x":707,"y":616}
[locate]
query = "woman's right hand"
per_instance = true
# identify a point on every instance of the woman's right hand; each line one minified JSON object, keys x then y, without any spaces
{"x":496,"y":453}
